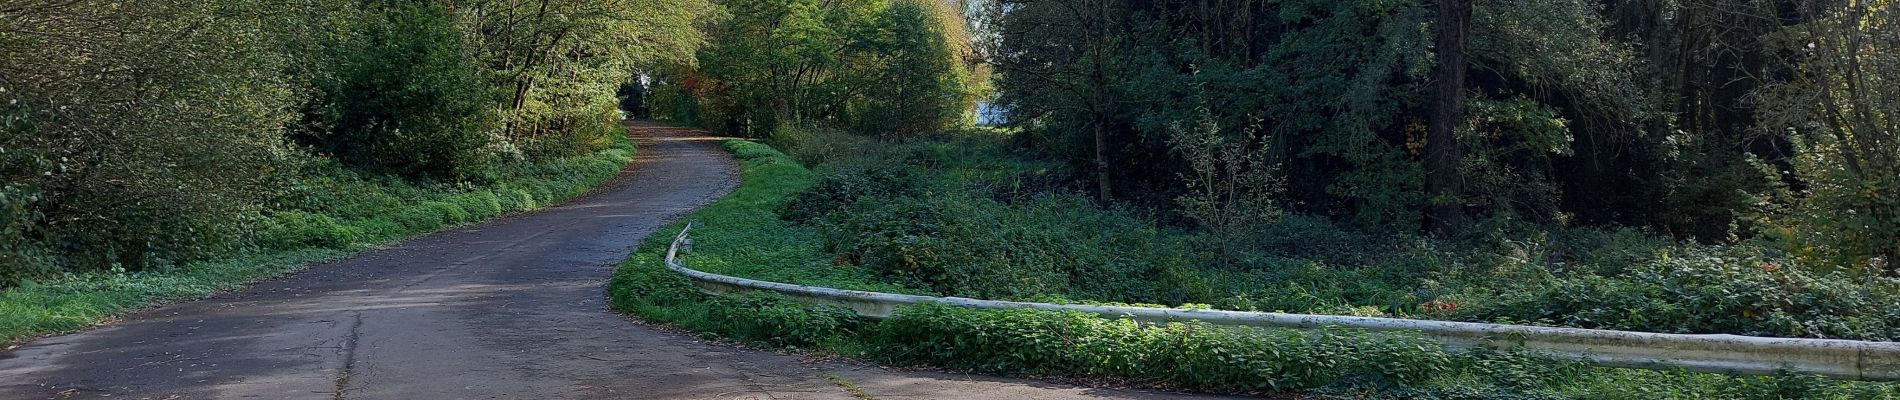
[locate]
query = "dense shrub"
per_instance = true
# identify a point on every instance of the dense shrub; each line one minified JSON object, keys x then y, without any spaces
{"x":753,"y":151}
{"x":779,"y":321}
{"x":1706,"y":290}
{"x":878,"y":67}
{"x":976,"y":247}
{"x":297,"y":229}
{"x":925,"y":214}
{"x":842,"y":190}
{"x":20,"y":256}
{"x":1191,"y":355}
{"x":409,"y":99}
{"x":149,"y":146}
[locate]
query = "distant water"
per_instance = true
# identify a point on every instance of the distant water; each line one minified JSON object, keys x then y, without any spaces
{"x":990,"y":114}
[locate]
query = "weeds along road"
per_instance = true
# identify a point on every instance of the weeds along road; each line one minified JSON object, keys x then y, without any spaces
{"x":511,"y":308}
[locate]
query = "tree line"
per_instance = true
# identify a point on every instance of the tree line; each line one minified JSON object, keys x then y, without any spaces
{"x":874,"y":67}
{"x":139,"y":134}
{"x":1771,"y":121}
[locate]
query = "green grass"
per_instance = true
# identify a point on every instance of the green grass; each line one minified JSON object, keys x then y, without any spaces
{"x":761,"y":245}
{"x":744,"y":235}
{"x":40,"y":308}
{"x":332,"y":214}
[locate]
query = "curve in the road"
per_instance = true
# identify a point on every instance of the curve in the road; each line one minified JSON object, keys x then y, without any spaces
{"x":511,"y":308}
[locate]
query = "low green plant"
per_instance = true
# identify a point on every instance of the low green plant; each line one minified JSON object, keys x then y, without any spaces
{"x":1187,"y":355}
{"x":963,"y":214}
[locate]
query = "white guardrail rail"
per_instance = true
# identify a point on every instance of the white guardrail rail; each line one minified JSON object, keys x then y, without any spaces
{"x":1729,"y":354}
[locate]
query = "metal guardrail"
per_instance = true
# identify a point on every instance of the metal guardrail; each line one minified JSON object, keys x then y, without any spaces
{"x":1729,"y":354}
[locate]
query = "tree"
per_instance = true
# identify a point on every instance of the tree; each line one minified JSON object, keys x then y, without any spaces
{"x":1840,"y":101}
{"x":556,"y":63}
{"x":873,"y":66}
{"x":1442,"y":151}
{"x":408,"y":99}
{"x":1058,"y":61}
{"x":138,"y":136}
{"x":916,"y":84}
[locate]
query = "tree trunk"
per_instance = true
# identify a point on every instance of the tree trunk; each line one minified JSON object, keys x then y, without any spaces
{"x":1098,"y":110}
{"x":1098,"y":85}
{"x":515,"y":104}
{"x":1101,"y":158}
{"x":1442,"y":151}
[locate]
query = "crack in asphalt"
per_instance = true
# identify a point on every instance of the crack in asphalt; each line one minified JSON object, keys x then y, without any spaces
{"x":349,"y":355}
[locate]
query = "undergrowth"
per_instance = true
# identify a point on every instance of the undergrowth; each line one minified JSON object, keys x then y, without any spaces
{"x":766,"y":230}
{"x":968,"y":215}
{"x":330,"y":214}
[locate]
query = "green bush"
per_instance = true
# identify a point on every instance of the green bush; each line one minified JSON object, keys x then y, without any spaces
{"x":409,"y":99}
{"x":446,"y":212}
{"x":749,"y":151}
{"x":20,"y":257}
{"x":959,"y":217}
{"x":773,"y":319}
{"x":961,"y":246}
{"x":1191,"y":355}
{"x":297,"y":229}
{"x":380,"y":229}
{"x":478,"y":205}
{"x":842,"y":191}
{"x":1701,"y":289}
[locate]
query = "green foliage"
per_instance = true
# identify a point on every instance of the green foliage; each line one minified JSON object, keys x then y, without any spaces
{"x":1022,"y":342}
{"x":1518,"y":136}
{"x":135,"y":136}
{"x":742,"y":235}
{"x":1230,"y":183}
{"x":1687,"y":116}
{"x":296,"y":229}
{"x":961,"y":246}
{"x":957,"y":218}
{"x":20,"y":255}
{"x":1844,"y":114}
{"x":915,"y":83}
{"x":876,"y":66}
{"x":1193,"y":355}
{"x":953,"y":216}
{"x":553,"y":73}
{"x":1702,"y":290}
{"x":408,"y":98}
{"x":177,"y":132}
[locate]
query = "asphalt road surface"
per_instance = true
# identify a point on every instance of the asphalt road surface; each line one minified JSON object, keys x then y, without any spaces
{"x":511,"y":309}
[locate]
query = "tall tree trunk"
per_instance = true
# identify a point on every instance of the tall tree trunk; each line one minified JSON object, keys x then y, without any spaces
{"x":1101,"y":157}
{"x":1098,"y":85}
{"x":1442,"y":151}
{"x":1098,"y":110}
{"x":515,"y":104}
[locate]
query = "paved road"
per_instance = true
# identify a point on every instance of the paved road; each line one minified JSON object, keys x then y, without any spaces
{"x":511,"y":308}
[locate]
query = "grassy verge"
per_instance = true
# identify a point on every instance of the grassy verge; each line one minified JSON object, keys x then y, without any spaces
{"x":746,"y":235}
{"x":331,"y":217}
